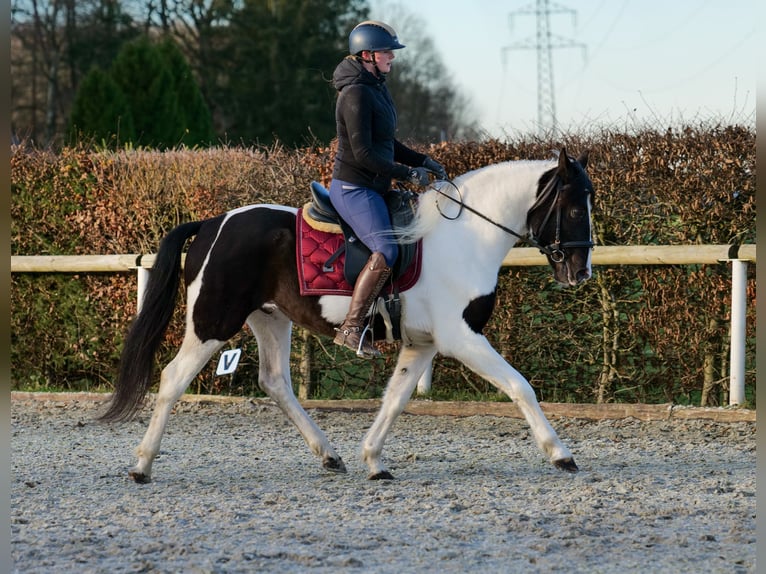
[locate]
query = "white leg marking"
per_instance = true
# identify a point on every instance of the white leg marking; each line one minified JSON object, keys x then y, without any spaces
{"x":273,"y":332}
{"x":175,"y":378}
{"x":424,"y":382}
{"x":479,"y":356}
{"x":410,"y":366}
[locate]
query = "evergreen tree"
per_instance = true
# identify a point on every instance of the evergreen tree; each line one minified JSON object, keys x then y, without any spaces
{"x":282,"y":55}
{"x":101,"y":28}
{"x":149,"y":97}
{"x":101,"y":111}
{"x":194,"y":114}
{"x":144,"y":77}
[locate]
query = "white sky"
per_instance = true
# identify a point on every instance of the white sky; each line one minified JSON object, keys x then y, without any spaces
{"x":649,"y":62}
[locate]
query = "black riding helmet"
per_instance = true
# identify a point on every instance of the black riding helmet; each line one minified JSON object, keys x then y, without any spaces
{"x":372,"y":36}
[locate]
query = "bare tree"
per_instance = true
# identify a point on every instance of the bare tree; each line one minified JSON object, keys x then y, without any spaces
{"x":199,"y":27}
{"x":53,"y":44}
{"x":430,"y":106}
{"x":261,"y":64}
{"x":37,"y":27}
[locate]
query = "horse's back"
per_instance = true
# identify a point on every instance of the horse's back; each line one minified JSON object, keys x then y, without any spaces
{"x":240,"y":233}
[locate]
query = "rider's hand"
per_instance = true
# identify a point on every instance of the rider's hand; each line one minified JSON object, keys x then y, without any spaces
{"x":418,"y":176}
{"x":435,"y":167}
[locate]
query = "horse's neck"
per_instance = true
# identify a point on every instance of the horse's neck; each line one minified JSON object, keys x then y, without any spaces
{"x":504,"y":193}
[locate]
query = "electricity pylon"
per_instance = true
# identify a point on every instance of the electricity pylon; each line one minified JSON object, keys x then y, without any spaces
{"x":544,"y":42}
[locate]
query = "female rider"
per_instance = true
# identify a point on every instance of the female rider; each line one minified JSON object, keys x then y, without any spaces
{"x":368,"y":157}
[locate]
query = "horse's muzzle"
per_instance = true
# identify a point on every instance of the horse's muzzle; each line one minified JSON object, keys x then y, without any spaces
{"x":580,"y":276}
{"x":571,"y":272}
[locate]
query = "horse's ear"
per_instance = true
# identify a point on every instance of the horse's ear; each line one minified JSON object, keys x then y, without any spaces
{"x":583,"y":159}
{"x":563,"y":161}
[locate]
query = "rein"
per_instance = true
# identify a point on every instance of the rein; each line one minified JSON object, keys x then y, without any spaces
{"x":553,"y":250}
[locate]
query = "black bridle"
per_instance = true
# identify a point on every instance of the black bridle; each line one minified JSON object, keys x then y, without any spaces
{"x":552,"y":190}
{"x":554,"y":250}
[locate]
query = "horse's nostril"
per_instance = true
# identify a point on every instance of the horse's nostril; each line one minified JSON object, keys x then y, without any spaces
{"x":583,"y":275}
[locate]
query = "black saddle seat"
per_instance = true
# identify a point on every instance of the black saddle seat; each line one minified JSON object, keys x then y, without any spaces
{"x":321,"y":207}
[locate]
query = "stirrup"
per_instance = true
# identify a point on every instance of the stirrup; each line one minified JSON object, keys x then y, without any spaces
{"x":372,"y":352}
{"x":368,"y":353}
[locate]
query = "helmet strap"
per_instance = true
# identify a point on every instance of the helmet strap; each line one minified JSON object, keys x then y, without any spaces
{"x":372,"y":61}
{"x":375,"y":64}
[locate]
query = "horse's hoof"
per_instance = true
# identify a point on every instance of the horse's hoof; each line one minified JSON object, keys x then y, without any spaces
{"x":382,"y":475}
{"x":567,"y":464}
{"x":334,"y":465}
{"x":139,"y":477}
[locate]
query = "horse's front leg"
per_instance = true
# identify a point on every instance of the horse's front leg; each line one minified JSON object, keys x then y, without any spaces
{"x":411,"y":364}
{"x":272,"y":331}
{"x":479,"y":356}
{"x":176,"y":376}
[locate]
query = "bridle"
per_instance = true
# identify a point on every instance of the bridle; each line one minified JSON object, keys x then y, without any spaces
{"x":556,"y":249}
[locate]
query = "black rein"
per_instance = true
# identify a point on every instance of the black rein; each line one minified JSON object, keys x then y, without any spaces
{"x":553,"y":250}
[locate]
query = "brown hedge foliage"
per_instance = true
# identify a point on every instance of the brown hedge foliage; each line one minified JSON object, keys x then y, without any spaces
{"x":631,"y":334}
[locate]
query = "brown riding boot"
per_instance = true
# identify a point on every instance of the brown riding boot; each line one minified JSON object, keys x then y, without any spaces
{"x":369,"y":283}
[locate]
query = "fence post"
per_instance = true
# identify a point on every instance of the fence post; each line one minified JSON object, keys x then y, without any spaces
{"x":424,"y":382}
{"x":142,"y":276}
{"x":738,"y":319}
{"x":306,"y":386}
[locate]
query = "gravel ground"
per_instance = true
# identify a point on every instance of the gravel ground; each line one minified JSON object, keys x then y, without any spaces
{"x":235,"y":489}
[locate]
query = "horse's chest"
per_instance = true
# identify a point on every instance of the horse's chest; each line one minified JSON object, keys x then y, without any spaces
{"x":478,"y":311}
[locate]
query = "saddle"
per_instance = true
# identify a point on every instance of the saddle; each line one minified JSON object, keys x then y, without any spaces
{"x":401,"y":206}
{"x":330,"y":257}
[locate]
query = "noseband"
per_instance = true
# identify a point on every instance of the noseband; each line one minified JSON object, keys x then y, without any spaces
{"x":552,"y":190}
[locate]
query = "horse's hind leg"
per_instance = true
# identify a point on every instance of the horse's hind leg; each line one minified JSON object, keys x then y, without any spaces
{"x":411,"y":364}
{"x":176,"y":376}
{"x":273,"y":330}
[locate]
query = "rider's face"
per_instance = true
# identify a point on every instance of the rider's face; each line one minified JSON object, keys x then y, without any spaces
{"x":383,"y":60}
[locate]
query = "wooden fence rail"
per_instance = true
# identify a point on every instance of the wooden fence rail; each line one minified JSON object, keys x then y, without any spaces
{"x":520,"y":256}
{"x":738,"y":255}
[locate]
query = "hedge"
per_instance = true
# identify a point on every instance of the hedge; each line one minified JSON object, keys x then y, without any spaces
{"x":631,"y":334}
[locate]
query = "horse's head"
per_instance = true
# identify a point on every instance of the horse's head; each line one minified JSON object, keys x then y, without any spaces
{"x":559,"y":222}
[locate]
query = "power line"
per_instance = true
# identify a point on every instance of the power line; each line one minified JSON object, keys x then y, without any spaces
{"x":544,"y":42}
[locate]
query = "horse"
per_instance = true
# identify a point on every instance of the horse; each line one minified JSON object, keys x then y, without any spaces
{"x":240,"y":268}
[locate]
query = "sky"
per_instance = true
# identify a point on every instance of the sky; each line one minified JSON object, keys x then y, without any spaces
{"x":629,"y":63}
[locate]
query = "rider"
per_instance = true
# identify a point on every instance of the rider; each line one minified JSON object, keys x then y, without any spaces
{"x":368,"y":157}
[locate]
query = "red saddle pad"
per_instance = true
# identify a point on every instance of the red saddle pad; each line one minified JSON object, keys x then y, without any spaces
{"x":314,"y":247}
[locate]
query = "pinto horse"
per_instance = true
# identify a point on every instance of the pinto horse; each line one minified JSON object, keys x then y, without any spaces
{"x":241,"y":268}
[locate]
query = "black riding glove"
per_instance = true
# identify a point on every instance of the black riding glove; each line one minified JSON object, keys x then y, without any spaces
{"x":435,"y":167}
{"x":418,"y":176}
